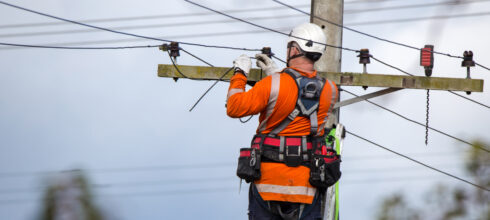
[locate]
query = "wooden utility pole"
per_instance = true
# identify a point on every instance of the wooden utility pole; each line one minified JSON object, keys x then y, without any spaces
{"x":331,"y":61}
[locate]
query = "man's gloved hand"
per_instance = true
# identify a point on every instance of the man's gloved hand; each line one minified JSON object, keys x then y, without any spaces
{"x":244,"y":63}
{"x":266,"y":64}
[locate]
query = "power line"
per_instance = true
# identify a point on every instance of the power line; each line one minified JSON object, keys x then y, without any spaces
{"x":416,"y":161}
{"x":416,"y":122}
{"x":199,"y":180}
{"x":394,"y":67}
{"x":139,"y":39}
{"x":148,"y":17}
{"x":180,"y":24}
{"x":402,"y":20}
{"x":401,"y":7}
{"x":230,"y":33}
{"x":265,"y":28}
{"x":161,"y":168}
{"x":77,"y":48}
{"x":133,"y":27}
{"x":363,"y":33}
{"x":134,"y":18}
{"x":123,"y":33}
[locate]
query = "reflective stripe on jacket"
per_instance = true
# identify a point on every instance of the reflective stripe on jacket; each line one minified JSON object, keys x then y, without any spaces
{"x":274,"y":97}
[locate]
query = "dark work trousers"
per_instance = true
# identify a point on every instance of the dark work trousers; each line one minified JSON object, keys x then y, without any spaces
{"x":258,"y":209}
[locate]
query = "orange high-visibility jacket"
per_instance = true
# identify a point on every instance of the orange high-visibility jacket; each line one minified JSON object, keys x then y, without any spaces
{"x":274,"y":97}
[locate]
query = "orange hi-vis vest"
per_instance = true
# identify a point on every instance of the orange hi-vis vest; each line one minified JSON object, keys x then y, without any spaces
{"x":275,"y":97}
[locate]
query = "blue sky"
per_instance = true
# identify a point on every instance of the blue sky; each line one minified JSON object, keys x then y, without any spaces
{"x":107,"y":112}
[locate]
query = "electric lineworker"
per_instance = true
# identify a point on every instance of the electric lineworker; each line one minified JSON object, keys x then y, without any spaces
{"x":286,"y":138}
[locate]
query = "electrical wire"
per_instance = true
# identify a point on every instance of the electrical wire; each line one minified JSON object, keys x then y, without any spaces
{"x":199,"y":180}
{"x":76,"y":48}
{"x":363,"y":33}
{"x":416,"y":122}
{"x":175,"y":66}
{"x":212,"y":86}
{"x":416,"y":161}
{"x":77,"y":43}
{"x":150,"y":26}
{"x":277,"y":58}
{"x":124,"y":33}
{"x":149,"y":17}
{"x":206,"y":92}
{"x":237,"y":32}
{"x":394,"y":67}
{"x":133,"y":27}
{"x":187,"y":52}
{"x":471,"y":100}
{"x":242,"y":121}
{"x":138,"y":39}
{"x":411,"y":6}
{"x":403,"y":20}
{"x":266,"y":28}
{"x":484,"y":67}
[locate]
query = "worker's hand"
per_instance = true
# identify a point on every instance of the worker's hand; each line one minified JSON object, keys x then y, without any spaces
{"x":266,"y":64}
{"x":243,"y":63}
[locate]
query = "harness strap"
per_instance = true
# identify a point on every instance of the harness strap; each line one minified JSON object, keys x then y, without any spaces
{"x":300,"y":108}
{"x":313,"y":123}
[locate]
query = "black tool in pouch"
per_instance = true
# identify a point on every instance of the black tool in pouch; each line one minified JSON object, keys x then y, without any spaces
{"x":249,"y":164}
{"x":325,"y":169}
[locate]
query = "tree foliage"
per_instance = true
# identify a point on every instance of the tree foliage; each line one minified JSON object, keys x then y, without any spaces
{"x":447,"y":202}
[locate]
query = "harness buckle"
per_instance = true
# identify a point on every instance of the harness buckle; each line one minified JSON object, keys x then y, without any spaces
{"x":293,"y":156}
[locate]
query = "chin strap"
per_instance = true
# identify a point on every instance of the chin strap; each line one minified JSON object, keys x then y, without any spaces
{"x":295,"y":56}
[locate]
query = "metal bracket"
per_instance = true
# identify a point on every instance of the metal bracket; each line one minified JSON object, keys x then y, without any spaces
{"x":365,"y":97}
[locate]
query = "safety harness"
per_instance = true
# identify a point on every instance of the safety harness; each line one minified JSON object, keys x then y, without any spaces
{"x":311,"y":151}
{"x":296,"y":150}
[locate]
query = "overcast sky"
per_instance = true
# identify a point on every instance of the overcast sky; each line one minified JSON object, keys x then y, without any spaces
{"x":107,"y":112}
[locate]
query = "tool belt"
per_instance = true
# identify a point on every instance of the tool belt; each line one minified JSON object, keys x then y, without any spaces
{"x":312,"y":152}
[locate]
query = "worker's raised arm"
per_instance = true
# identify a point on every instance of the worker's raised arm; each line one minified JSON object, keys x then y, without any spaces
{"x":241,"y":103}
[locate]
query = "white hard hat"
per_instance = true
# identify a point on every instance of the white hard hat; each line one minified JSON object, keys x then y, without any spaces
{"x":309,"y":37}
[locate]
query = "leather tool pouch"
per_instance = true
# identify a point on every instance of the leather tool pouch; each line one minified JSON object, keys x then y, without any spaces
{"x":325,"y":170}
{"x":249,"y":164}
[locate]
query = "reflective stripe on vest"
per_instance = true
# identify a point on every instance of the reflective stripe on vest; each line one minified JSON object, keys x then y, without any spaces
{"x":274,"y":93}
{"x":287,"y":190}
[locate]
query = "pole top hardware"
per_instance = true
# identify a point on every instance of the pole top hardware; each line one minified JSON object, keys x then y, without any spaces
{"x":427,"y":59}
{"x":468,"y":59}
{"x":173,"y":48}
{"x":468,"y":63}
{"x":267,"y":51}
{"x":364,"y":58}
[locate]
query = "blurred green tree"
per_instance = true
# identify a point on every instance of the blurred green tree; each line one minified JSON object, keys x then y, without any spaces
{"x":445,"y":202}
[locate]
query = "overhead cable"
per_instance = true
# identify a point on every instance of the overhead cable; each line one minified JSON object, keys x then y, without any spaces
{"x":402,"y":7}
{"x":454,"y":93}
{"x":402,"y":20}
{"x":416,"y":122}
{"x":76,"y":43}
{"x":133,"y":27}
{"x":77,"y":48}
{"x":124,"y":33}
{"x":416,"y":161}
{"x":135,"y":18}
{"x":266,"y":28}
{"x":180,"y":24}
{"x":363,"y":33}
